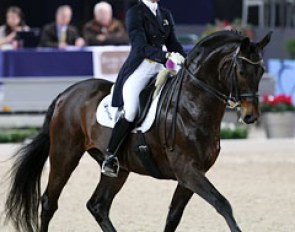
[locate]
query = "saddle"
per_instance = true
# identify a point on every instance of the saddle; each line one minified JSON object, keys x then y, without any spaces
{"x":145,"y":101}
{"x":148,"y":94}
{"x":146,"y":97}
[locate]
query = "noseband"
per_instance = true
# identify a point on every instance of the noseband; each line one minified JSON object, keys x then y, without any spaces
{"x":233,"y":100}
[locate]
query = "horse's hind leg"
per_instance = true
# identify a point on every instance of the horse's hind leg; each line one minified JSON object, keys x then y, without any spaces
{"x":63,"y":161}
{"x":179,"y":201}
{"x":198,"y":183}
{"x":102,"y":198}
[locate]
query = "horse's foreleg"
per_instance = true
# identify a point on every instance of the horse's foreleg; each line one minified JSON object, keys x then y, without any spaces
{"x":198,"y":183}
{"x":102,"y":198}
{"x":179,"y":201}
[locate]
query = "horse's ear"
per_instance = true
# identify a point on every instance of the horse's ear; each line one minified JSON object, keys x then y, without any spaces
{"x":245,"y":44}
{"x":260,"y":45}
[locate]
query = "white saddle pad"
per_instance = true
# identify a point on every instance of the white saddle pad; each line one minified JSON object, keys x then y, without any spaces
{"x":106,"y":114}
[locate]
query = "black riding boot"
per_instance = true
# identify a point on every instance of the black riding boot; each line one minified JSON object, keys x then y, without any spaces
{"x":110,"y":166}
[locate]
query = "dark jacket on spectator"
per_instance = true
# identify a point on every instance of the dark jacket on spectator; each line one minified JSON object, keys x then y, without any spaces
{"x":147,"y":36}
{"x":115,"y":33}
{"x":49,"y":36}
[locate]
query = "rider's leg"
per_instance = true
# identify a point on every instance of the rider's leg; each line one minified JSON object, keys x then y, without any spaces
{"x":131,"y":90}
{"x":110,"y":166}
{"x":135,"y":84}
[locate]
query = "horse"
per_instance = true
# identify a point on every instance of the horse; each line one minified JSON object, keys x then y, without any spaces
{"x":223,"y":69}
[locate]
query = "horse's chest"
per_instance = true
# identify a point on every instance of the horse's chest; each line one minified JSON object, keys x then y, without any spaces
{"x":205,"y":150}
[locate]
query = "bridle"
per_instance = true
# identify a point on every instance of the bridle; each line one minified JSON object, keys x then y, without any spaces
{"x":172,"y":90}
{"x":233,"y":100}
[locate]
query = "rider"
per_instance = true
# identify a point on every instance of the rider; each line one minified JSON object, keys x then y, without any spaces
{"x":149,"y":27}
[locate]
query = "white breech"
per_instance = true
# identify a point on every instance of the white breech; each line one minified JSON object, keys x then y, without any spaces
{"x":135,"y":84}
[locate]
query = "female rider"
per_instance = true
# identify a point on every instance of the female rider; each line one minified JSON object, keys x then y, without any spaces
{"x":149,"y":28}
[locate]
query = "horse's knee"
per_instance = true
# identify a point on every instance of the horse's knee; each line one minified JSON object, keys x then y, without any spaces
{"x":98,"y":210}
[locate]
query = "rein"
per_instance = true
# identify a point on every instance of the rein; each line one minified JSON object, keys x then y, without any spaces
{"x":219,"y":95}
{"x":168,"y":95}
{"x":172,"y":91}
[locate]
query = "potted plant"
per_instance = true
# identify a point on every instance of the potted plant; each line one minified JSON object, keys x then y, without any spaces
{"x":232,"y":131}
{"x":278,"y":116}
{"x":291,"y":48}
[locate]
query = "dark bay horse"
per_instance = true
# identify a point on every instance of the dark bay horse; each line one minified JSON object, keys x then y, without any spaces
{"x":224,"y":68}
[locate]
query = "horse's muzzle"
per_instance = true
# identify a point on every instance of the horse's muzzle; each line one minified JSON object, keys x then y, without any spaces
{"x":248,"y":113}
{"x":248,"y":119}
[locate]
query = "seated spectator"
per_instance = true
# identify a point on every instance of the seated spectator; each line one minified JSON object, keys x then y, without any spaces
{"x":14,"y":22}
{"x":60,"y":33}
{"x":104,"y":29}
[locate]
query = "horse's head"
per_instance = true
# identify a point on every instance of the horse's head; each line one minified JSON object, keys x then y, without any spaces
{"x":238,"y":64}
{"x":249,"y":69}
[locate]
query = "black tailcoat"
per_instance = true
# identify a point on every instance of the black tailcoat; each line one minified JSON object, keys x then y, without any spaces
{"x":147,"y":36}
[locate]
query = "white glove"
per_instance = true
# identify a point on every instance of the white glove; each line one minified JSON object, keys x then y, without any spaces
{"x":176,"y":57}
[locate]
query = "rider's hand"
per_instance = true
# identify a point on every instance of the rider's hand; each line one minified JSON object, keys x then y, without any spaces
{"x":173,"y":61}
{"x":176,"y":57}
{"x":170,"y":65}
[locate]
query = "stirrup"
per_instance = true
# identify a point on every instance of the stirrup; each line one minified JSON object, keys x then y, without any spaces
{"x":110,"y":166}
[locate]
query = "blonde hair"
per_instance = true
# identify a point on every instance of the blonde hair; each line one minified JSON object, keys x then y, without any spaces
{"x":102,"y":5}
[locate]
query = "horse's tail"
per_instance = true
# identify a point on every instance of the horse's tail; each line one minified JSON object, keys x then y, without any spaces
{"x":23,"y":199}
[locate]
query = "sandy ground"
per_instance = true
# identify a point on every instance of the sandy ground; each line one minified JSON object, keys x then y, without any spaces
{"x":256,"y":175}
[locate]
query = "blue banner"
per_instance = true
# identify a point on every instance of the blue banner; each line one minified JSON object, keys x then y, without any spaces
{"x":284,"y":74}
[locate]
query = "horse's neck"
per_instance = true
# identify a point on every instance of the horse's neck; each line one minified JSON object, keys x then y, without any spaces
{"x":199,"y":105}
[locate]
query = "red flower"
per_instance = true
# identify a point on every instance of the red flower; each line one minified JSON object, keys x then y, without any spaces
{"x":279,"y":99}
{"x":280,"y":103}
{"x":289,"y":100}
{"x":266,"y":99}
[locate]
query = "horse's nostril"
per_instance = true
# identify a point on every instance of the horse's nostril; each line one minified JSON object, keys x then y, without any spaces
{"x":249,"y":119}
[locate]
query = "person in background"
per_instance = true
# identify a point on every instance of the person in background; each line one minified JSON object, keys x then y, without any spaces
{"x":104,"y":29}
{"x":60,"y":33}
{"x":14,"y":22}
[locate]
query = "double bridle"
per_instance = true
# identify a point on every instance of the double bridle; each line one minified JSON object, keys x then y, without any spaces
{"x":233,"y":100}
{"x":170,"y":95}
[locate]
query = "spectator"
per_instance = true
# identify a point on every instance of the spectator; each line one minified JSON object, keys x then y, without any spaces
{"x":60,"y":33}
{"x":104,"y":29}
{"x":14,"y":22}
